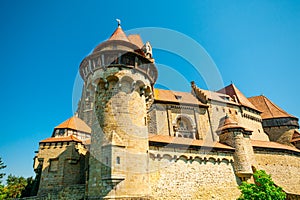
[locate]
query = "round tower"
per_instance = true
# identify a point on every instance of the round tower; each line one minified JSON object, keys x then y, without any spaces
{"x":238,"y":137}
{"x":118,"y":81}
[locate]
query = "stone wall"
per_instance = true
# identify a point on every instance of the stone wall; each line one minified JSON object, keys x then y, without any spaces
{"x":283,"y":167}
{"x":61,"y":164}
{"x":280,"y":134}
{"x":197,"y":175}
{"x":244,"y":117}
{"x":164,"y":117}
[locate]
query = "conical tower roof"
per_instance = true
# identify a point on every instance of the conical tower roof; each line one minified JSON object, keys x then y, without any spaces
{"x":76,"y":124}
{"x":119,"y":34}
{"x":228,"y":123}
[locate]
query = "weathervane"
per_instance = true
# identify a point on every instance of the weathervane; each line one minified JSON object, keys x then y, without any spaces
{"x":119,"y":22}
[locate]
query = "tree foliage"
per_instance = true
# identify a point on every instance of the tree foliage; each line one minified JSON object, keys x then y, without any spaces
{"x":16,"y":187}
{"x":263,"y":189}
{"x":2,"y":166}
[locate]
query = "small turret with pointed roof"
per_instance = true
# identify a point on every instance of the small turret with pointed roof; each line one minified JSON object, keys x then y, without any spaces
{"x":119,"y":34}
{"x":238,"y":137}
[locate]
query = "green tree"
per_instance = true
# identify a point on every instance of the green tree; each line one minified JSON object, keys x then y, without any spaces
{"x":2,"y":166}
{"x":15,"y":186}
{"x":28,"y":190}
{"x":263,"y":189}
{"x":2,"y":189}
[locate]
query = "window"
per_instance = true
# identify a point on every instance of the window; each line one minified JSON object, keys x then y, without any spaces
{"x":118,"y":160}
{"x":61,"y":132}
{"x":178,"y":97}
{"x":53,"y":167}
{"x":183,"y":128}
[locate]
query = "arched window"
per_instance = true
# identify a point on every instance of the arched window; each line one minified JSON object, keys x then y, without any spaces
{"x":184,"y":128}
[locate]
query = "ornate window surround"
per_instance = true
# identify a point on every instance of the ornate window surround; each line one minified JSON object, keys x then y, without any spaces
{"x":187,"y":129}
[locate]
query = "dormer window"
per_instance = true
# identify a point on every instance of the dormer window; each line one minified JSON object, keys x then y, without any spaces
{"x":178,"y":97}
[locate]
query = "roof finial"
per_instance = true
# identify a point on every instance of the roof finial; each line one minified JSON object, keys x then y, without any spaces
{"x":119,"y":22}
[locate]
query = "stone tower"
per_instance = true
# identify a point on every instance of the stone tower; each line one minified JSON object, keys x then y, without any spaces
{"x":61,"y":160}
{"x":118,"y":82}
{"x":238,"y":137}
{"x":277,"y":123}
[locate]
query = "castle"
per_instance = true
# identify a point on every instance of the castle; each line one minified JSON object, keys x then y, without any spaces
{"x":129,"y":140}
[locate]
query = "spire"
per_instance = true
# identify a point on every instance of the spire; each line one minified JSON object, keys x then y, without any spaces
{"x":119,"y":22}
{"x":119,"y":34}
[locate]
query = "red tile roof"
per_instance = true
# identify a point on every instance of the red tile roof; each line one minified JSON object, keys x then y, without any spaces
{"x":296,"y":136}
{"x":76,"y":124}
{"x":119,"y":34}
{"x":136,"y":39}
{"x":230,"y":124}
{"x":235,"y":93}
{"x":205,"y":95}
{"x":185,"y":141}
{"x":70,"y":138}
{"x":176,"y":97}
{"x":268,"y":108}
{"x":273,"y":145}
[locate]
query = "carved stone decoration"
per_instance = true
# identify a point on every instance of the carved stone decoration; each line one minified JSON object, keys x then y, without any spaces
{"x":184,"y":127}
{"x":147,"y":48}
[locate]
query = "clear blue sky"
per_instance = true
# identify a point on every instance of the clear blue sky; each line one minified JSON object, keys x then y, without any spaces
{"x":255,"y":44}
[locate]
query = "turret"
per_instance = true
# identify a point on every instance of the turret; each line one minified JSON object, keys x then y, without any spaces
{"x":238,"y":137}
{"x":61,"y":160}
{"x":118,"y":78}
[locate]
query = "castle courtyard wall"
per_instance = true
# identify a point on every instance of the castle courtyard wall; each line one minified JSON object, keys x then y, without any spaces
{"x":284,"y":168}
{"x":178,"y":175}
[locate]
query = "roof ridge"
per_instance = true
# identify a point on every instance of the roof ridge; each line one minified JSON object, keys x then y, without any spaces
{"x":232,"y":90}
{"x":280,"y":109}
{"x":75,"y":123}
{"x":264,"y":99}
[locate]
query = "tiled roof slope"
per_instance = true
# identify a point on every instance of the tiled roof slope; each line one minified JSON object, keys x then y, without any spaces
{"x":119,"y":34}
{"x":136,"y":39}
{"x":235,"y":93}
{"x":76,"y":124}
{"x":185,"y":141}
{"x":176,"y":97}
{"x":70,"y":138}
{"x":268,"y":108}
{"x":273,"y":145}
{"x":296,"y":136}
{"x":228,"y":123}
{"x":205,"y":95}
